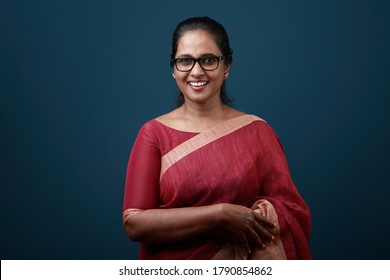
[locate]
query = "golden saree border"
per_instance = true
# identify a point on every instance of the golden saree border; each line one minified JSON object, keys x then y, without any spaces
{"x":204,"y":138}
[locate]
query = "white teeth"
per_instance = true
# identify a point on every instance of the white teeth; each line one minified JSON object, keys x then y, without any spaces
{"x":197,"y":84}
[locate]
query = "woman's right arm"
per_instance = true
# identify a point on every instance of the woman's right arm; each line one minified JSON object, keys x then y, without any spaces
{"x":172,"y":225}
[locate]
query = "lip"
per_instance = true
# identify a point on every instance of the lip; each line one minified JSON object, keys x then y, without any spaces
{"x":198,"y":85}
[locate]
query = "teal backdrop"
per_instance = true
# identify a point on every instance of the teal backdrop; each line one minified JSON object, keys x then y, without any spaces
{"x":79,"y":78}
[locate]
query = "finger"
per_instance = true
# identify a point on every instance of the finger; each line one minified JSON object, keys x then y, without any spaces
{"x":244,"y":242}
{"x":262,"y":232}
{"x":255,"y":238}
{"x":264,"y":221}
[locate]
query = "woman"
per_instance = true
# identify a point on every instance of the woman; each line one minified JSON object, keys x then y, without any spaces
{"x":206,"y":181}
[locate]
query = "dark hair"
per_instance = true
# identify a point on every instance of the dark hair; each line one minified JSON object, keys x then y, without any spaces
{"x":221,"y":38}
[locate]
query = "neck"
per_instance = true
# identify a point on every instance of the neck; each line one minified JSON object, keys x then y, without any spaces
{"x":196,"y":111}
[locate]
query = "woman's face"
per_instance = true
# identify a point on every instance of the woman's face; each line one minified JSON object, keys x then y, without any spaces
{"x":199,"y":85}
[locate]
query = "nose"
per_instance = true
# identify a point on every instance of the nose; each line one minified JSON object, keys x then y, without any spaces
{"x":197,"y":70}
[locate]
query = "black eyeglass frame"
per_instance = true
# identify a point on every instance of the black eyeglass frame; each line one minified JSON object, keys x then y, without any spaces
{"x":195,"y":60}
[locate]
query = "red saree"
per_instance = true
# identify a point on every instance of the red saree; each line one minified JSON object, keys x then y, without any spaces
{"x":239,"y":161}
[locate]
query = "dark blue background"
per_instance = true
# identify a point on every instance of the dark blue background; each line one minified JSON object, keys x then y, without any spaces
{"x":78,"y":79}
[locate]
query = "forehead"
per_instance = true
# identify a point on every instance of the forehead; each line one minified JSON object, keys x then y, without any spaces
{"x":197,"y":42}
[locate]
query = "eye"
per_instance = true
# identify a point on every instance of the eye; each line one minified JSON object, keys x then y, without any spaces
{"x":209,"y":60}
{"x":184,"y":61}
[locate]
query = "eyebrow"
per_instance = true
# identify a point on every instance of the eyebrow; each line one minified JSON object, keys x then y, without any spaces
{"x":203,"y":55}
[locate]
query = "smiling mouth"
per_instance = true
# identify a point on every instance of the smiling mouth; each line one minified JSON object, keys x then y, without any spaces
{"x":197,"y":84}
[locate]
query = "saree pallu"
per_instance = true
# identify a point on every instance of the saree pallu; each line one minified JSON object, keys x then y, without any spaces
{"x":239,"y":161}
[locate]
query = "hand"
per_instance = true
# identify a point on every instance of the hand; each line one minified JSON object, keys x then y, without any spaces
{"x":247,"y":227}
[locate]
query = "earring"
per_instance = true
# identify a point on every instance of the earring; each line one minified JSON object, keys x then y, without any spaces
{"x":173,"y":75}
{"x":226,"y":75}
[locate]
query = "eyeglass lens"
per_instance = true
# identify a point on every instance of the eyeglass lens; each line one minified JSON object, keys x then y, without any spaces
{"x":207,"y":63}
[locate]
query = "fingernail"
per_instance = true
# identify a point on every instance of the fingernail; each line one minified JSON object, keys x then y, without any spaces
{"x":273,"y":237}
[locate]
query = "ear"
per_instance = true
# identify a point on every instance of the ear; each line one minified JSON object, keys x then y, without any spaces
{"x":227,"y":67}
{"x":226,"y":72}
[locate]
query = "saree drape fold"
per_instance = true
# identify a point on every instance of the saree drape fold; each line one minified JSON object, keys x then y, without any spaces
{"x":239,"y":161}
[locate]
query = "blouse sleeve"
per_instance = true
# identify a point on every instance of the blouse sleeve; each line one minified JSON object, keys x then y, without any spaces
{"x":143,"y":172}
{"x":278,"y":188}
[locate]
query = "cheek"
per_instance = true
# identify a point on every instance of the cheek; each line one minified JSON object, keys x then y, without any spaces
{"x":180,"y":75}
{"x":181,"y":81}
{"x":221,"y":72}
{"x":219,"y":77}
{"x":181,"y":78}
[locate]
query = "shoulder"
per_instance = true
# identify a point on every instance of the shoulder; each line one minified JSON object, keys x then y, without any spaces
{"x":261,"y":126}
{"x":170,"y":118}
{"x":255,"y":118}
{"x":150,"y":131}
{"x":265,"y":133}
{"x":256,"y":121}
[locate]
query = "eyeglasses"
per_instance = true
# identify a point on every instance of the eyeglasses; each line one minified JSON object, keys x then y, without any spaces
{"x":185,"y":64}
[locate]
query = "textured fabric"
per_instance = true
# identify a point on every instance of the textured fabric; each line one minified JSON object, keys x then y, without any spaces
{"x":203,"y":139}
{"x":242,"y":165}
